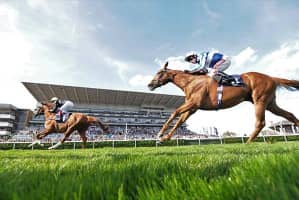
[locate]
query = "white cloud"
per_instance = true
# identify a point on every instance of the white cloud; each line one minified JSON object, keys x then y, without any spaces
{"x":176,"y":63}
{"x":140,"y":80}
{"x":211,"y":14}
{"x":39,"y":4}
{"x":197,"y":32}
{"x":245,"y":56}
{"x":282,"y":62}
{"x":120,"y":66}
{"x":15,"y":52}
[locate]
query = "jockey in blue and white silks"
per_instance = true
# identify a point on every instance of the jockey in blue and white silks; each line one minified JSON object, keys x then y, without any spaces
{"x":210,"y":62}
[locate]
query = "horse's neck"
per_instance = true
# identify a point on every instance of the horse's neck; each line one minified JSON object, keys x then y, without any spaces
{"x":182,"y":80}
{"x":48,"y":114}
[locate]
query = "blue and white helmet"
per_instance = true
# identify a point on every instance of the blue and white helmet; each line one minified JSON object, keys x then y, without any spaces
{"x":190,"y":55}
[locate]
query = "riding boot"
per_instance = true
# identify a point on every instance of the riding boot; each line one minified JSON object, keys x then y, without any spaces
{"x":218,"y":78}
{"x":225,"y":78}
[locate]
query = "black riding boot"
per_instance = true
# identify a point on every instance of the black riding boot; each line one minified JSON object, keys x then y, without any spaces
{"x":223,"y":78}
{"x":218,"y":78}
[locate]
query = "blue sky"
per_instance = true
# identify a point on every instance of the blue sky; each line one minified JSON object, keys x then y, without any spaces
{"x":118,"y":44}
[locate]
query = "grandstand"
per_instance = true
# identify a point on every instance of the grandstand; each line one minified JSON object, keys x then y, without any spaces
{"x":129,"y":114}
{"x":284,"y":127}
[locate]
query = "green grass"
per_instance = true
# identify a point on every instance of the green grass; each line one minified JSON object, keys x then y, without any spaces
{"x":230,"y":171}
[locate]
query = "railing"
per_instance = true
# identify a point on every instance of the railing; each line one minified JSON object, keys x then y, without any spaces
{"x":151,"y":142}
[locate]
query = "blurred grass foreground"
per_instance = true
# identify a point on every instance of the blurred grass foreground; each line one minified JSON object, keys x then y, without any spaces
{"x":231,"y":171}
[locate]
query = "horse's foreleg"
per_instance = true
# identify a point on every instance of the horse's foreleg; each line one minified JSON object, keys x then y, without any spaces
{"x":39,"y":136}
{"x":183,"y":108}
{"x":42,"y":134}
{"x":181,"y":120}
{"x":260,"y":121}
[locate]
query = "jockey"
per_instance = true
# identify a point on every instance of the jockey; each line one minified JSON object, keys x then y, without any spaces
{"x":213,"y":63}
{"x":61,"y":108}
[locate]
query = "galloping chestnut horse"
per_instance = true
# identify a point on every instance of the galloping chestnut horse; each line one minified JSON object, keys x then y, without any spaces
{"x":201,"y":93}
{"x":76,"y":122}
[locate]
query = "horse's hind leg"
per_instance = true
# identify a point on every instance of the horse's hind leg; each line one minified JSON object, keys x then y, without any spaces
{"x":260,"y":120}
{"x":66,"y":135}
{"x":83,"y":137}
{"x":275,"y":109}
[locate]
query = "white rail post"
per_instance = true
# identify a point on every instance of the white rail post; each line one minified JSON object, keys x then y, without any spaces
{"x":74,"y":145}
{"x":135,"y":143}
{"x":285,"y":136}
{"x":283,"y":132}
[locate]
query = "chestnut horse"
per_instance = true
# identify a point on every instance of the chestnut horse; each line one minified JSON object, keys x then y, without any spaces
{"x":76,"y":122}
{"x":201,"y":93}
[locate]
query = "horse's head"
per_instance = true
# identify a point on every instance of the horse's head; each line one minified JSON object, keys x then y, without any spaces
{"x":162,"y":77}
{"x":40,"y":108}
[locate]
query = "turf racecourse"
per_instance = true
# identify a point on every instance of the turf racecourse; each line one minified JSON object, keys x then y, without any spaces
{"x":230,"y":171}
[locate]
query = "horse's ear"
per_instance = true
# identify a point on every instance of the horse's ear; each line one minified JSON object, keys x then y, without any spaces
{"x":165,"y":66}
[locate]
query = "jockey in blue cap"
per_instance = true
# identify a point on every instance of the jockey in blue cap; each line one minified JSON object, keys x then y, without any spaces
{"x":213,"y":63}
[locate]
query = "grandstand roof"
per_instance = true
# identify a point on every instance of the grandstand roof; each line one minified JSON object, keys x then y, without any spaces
{"x":103,"y":97}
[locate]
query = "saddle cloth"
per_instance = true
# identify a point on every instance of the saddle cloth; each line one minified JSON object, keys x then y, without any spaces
{"x":228,"y":80}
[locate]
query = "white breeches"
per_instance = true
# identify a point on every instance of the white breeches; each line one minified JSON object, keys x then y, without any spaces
{"x":67,"y":106}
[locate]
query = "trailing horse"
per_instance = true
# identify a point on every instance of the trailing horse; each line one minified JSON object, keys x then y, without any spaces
{"x":201,"y":93}
{"x":76,"y":122}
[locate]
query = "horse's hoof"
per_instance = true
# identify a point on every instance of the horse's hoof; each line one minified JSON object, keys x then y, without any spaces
{"x":55,"y":146}
{"x":159,"y":142}
{"x":34,"y":143}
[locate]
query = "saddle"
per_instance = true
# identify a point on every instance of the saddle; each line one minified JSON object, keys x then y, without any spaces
{"x":224,"y":79}
{"x":229,"y":80}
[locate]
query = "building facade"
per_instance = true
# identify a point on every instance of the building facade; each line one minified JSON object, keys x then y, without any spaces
{"x":13,"y":119}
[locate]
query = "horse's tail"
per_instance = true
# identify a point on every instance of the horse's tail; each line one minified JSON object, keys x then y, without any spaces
{"x":289,"y":84}
{"x":96,"y":121}
{"x":103,"y":126}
